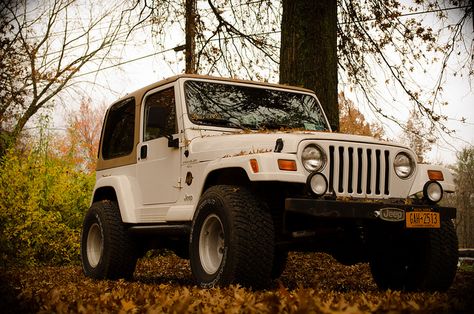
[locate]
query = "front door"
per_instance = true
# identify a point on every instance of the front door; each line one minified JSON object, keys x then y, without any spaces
{"x":158,"y":165}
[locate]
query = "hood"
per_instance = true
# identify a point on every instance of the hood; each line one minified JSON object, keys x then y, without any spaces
{"x":225,"y":144}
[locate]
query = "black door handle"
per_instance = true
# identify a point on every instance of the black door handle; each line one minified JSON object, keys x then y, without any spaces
{"x":143,"y":151}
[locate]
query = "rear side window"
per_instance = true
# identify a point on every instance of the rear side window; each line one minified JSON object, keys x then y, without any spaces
{"x":119,"y":132}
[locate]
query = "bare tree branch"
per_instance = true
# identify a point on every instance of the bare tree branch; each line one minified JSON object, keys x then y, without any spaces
{"x":51,"y":56}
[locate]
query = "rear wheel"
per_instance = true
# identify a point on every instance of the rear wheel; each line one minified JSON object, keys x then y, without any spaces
{"x":416,"y":259}
{"x":232,"y":239}
{"x":107,"y":251}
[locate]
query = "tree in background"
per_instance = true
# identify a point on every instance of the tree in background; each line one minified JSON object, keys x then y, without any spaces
{"x":392,"y":38}
{"x":243,"y":38}
{"x":308,"y":51}
{"x":13,"y":67}
{"x":43,"y":197}
{"x":43,"y":46}
{"x":417,"y":135}
{"x":232,"y":38}
{"x":45,"y":188}
{"x":352,"y":121}
{"x":191,"y":32}
{"x":46,"y":46}
{"x":81,"y":142}
{"x":464,"y":197}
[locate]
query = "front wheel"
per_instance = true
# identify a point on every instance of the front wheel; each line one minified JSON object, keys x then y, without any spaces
{"x":416,"y":259}
{"x":107,"y":251}
{"x":232,"y":239}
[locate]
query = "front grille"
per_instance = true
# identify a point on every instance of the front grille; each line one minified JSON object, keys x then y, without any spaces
{"x":359,"y":171}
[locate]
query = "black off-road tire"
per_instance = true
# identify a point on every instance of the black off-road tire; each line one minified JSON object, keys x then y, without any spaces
{"x":107,"y":251}
{"x":416,"y":260}
{"x":242,"y":251}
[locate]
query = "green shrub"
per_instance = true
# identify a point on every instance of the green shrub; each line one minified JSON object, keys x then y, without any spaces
{"x":42,"y":202}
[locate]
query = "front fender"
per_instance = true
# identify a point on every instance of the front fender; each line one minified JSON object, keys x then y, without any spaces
{"x":421,"y":177}
{"x":267,"y":167}
{"x":125,"y":199}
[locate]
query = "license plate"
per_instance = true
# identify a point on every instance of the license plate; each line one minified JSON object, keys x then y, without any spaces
{"x":419,"y":219}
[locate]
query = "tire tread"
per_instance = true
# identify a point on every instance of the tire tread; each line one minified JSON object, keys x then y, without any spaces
{"x":119,"y":254}
{"x":253,"y":237}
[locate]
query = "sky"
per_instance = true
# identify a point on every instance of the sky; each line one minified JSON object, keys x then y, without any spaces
{"x":143,"y":65}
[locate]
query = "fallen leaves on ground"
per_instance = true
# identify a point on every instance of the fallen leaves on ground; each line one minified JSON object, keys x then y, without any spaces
{"x":311,"y":283}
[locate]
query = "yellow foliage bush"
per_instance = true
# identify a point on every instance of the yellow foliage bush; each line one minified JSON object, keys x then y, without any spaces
{"x":42,"y":202}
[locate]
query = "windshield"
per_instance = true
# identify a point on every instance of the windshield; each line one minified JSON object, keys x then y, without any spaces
{"x":248,"y":107}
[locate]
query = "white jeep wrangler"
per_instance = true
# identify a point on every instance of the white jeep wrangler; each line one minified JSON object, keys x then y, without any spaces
{"x":234,"y":174}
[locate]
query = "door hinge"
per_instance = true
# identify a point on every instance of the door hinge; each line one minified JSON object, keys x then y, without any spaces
{"x":179,"y":184}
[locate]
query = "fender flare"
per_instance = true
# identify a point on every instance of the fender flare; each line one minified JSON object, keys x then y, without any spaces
{"x":123,"y":191}
{"x":268,"y":167}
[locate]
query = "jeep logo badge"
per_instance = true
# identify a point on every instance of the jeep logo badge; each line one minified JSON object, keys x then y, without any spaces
{"x":391,"y":214}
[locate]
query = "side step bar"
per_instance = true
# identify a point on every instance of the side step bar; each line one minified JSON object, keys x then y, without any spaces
{"x":169,"y":230}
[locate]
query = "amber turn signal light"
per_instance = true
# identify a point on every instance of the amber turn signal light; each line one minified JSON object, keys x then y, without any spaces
{"x":287,"y":165}
{"x":435,"y":175}
{"x":254,"y":165}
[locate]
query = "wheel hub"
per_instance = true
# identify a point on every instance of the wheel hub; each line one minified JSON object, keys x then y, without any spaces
{"x":211,"y":244}
{"x":95,"y":244}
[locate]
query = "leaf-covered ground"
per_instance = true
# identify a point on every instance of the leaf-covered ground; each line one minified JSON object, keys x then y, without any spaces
{"x":311,"y":283}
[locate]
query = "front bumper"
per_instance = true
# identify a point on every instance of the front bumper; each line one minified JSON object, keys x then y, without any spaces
{"x":338,"y":209}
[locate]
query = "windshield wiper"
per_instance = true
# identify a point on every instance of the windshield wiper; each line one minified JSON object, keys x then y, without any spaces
{"x":219,"y":121}
{"x":271,"y":125}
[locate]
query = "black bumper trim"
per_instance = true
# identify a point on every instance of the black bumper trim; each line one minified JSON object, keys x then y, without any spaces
{"x":360,"y":210}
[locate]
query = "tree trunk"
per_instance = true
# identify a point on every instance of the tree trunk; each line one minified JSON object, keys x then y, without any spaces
{"x":308,"y":55}
{"x":190,"y":56}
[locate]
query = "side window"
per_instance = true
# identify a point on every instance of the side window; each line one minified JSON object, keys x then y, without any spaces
{"x":119,"y":130}
{"x":160,"y":115}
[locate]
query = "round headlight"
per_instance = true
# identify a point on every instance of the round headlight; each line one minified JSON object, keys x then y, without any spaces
{"x":317,"y":183}
{"x":313,"y":158}
{"x":433,"y":191}
{"x":403,"y":165}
